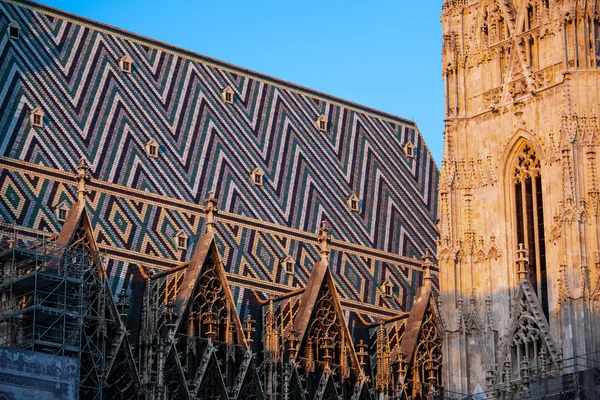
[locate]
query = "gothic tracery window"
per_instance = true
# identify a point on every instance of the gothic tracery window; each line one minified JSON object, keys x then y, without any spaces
{"x":528,"y":350}
{"x":530,"y":218}
{"x":209,"y":316}
{"x":325,"y":331}
{"x":427,"y":364}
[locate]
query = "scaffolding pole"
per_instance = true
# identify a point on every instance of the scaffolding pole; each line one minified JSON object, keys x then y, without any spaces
{"x":52,"y":301}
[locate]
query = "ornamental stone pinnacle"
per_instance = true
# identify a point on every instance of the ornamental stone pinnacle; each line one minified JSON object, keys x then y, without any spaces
{"x":210,"y":211}
{"x":522,"y":260}
{"x":81,"y":177}
{"x":324,"y":240}
{"x":427,"y":265}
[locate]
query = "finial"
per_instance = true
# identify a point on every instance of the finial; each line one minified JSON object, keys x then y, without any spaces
{"x":81,"y":177}
{"x":427,"y":265}
{"x":210,"y":211}
{"x":249,"y":329}
{"x":324,"y":240}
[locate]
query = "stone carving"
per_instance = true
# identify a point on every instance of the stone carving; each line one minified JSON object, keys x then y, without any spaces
{"x":529,"y":124}
{"x":492,"y":97}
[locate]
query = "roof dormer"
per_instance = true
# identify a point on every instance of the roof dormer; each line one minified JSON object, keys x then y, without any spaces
{"x":321,"y":123}
{"x":181,"y":240}
{"x":288,"y":264}
{"x":37,"y":117}
{"x":227,"y":95}
{"x":126,"y":64}
{"x":61,"y":211}
{"x":409,"y":149}
{"x":14,"y":30}
{"x":353,"y":202}
{"x":257,"y":176}
{"x":387,"y":287}
{"x":152,"y":148}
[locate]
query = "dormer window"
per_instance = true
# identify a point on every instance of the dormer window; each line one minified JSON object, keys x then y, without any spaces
{"x":14,"y":30}
{"x":227,"y":95}
{"x":353,"y":202}
{"x":126,"y":63}
{"x":61,"y":211}
{"x":37,"y":117}
{"x":152,"y":148}
{"x":257,"y":176}
{"x":181,"y":240}
{"x":387,"y":288}
{"x":409,"y":150}
{"x":288,"y":265}
{"x":321,"y":123}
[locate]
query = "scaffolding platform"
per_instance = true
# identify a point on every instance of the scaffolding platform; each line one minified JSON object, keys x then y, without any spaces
{"x":52,"y":301}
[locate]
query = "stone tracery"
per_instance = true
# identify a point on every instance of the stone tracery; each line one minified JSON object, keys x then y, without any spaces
{"x":529,"y":213}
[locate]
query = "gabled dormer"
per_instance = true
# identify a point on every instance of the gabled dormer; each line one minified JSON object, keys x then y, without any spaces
{"x":126,"y":64}
{"x":37,"y":117}
{"x":324,"y":347}
{"x":288,"y":264}
{"x":409,"y":149}
{"x":353,"y":202}
{"x":181,"y":240}
{"x":152,"y":148}
{"x":227,"y":95}
{"x":257,"y":176}
{"x":321,"y":123}
{"x":14,"y":30}
{"x":61,"y":211}
{"x":387,"y":288}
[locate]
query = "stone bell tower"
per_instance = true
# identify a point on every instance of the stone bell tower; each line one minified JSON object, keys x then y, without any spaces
{"x":519,"y":192}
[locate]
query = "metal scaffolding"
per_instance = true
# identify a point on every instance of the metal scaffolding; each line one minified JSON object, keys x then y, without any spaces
{"x":575,"y":378}
{"x":51,"y":301}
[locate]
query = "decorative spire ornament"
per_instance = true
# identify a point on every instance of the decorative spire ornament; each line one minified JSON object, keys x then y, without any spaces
{"x":324,"y":240}
{"x":210,"y":211}
{"x":427,"y":265}
{"x":522,"y":260}
{"x":81,"y":177}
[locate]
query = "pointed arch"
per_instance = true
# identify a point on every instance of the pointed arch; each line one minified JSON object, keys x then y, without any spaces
{"x":325,"y":350}
{"x":480,"y":255}
{"x":529,"y":339}
{"x":296,"y":388}
{"x":120,"y":375}
{"x":205,"y":294}
{"x":518,"y":139}
{"x":421,"y":345}
{"x":523,"y":163}
{"x":446,"y":254}
{"x":250,"y":388}
{"x":493,"y":253}
{"x":212,"y":385}
{"x":320,"y":318}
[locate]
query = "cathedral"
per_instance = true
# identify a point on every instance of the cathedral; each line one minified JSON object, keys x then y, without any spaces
{"x":519,"y":245}
{"x":176,"y":227}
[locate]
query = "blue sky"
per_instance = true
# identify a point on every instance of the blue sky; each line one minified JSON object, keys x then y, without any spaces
{"x":386,"y":56}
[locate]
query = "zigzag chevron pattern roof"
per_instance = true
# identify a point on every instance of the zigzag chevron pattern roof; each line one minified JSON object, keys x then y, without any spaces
{"x":69,"y":67}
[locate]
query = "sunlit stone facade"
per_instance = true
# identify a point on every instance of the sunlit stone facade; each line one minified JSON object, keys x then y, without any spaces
{"x":519,"y":191}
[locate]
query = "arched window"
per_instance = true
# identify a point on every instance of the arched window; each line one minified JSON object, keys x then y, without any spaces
{"x":529,"y":209}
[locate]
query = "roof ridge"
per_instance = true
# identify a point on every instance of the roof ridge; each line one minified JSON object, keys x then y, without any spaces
{"x":145,"y":40}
